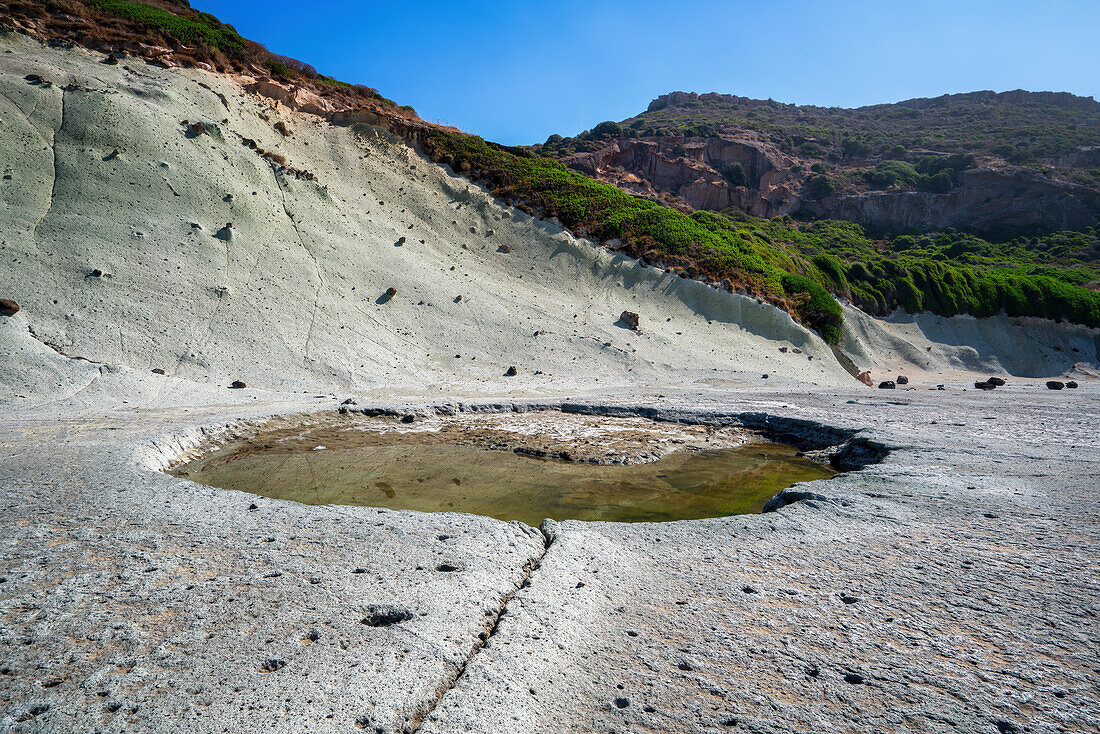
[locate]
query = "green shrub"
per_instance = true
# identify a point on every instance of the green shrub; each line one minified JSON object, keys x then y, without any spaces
{"x":735,"y":174}
{"x":201,"y":29}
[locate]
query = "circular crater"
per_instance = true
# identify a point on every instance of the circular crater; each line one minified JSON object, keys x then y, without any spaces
{"x":524,"y":466}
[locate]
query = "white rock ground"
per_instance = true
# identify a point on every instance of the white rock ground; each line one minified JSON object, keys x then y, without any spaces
{"x":135,"y":601}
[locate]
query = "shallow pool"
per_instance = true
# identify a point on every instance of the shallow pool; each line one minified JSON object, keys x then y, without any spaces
{"x":435,"y":471}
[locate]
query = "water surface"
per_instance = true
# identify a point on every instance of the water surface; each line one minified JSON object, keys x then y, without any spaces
{"x":418,"y":471}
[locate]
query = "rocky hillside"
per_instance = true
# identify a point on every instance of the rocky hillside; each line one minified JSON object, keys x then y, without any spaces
{"x":980,"y":161}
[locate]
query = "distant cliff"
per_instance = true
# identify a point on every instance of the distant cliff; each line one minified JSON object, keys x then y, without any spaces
{"x":981,"y":160}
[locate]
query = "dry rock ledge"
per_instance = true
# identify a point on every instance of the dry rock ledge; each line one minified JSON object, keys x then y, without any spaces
{"x":949,"y":587}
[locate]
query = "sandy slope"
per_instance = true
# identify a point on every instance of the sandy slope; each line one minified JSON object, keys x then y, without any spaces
{"x":294,"y":299}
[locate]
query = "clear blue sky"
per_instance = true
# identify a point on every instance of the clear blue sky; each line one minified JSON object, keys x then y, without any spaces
{"x":517,"y":71}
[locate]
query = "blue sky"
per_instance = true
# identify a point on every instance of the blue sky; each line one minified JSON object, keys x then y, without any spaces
{"x":517,"y":71}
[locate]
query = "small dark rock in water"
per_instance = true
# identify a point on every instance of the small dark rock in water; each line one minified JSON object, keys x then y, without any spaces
{"x":630,"y":319}
{"x":8,"y":307}
{"x":1055,"y":384}
{"x":511,"y":372}
{"x":158,"y":371}
{"x":408,"y":418}
{"x":1071,"y":385}
{"x":504,"y":248}
{"x":886,"y":385}
{"x":391,"y":292}
{"x":997,"y":381}
{"x":237,"y":384}
{"x":985,"y":385}
{"x":902,"y":380}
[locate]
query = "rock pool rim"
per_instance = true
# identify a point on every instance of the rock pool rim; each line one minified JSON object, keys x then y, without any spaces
{"x":842,"y":448}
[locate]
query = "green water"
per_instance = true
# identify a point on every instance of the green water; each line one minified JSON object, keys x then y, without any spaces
{"x":413,"y":472}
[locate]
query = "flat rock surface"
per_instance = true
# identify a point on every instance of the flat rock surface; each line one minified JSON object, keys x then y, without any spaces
{"x":951,"y":587}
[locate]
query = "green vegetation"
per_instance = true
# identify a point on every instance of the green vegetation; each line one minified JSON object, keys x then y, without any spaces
{"x":797,"y":265}
{"x":704,"y":244}
{"x":1033,"y":128}
{"x":949,"y":273}
{"x":200,"y":28}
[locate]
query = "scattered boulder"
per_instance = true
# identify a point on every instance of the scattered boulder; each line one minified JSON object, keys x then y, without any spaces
{"x":999,"y":382}
{"x":902,"y":380}
{"x":391,"y":291}
{"x":458,"y":299}
{"x":630,"y":318}
{"x":158,"y":371}
{"x":8,"y":307}
{"x":408,"y":418}
{"x":1055,"y":385}
{"x":783,"y":350}
{"x":237,"y":384}
{"x":111,"y":60}
{"x":196,"y":129}
{"x":1071,"y":385}
{"x":865,"y":378}
{"x":505,"y":249}
{"x":225,"y":234}
{"x":985,"y":385}
{"x":349,"y":401}
{"x":510,"y":372}
{"x":401,"y":240}
{"x":886,"y":385}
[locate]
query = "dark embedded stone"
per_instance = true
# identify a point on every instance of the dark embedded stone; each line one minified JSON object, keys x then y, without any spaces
{"x":630,"y":318}
{"x":510,"y":372}
{"x":985,"y":385}
{"x":381,"y":615}
{"x":349,"y":401}
{"x":97,"y":273}
{"x":1071,"y":385}
{"x":1055,"y":385}
{"x":621,"y":703}
{"x":783,"y":349}
{"x":505,"y":249}
{"x":902,"y":380}
{"x":111,"y":60}
{"x":8,"y":307}
{"x":237,"y":384}
{"x":270,"y":666}
{"x":999,"y":382}
{"x":408,"y":418}
{"x":886,"y":385}
{"x":158,"y":371}
{"x":854,"y":678}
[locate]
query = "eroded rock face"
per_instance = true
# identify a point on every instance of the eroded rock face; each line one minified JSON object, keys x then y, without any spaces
{"x":692,"y":169}
{"x":984,"y":198}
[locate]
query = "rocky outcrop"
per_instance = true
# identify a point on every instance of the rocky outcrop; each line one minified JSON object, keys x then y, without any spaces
{"x":984,"y":198}
{"x":692,"y":169}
